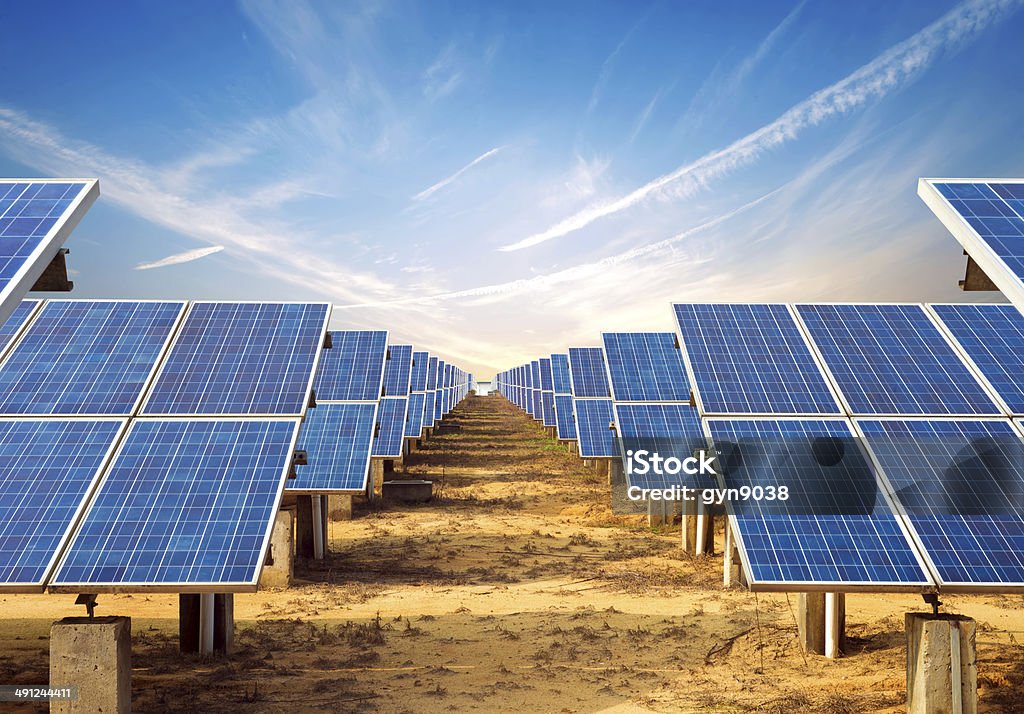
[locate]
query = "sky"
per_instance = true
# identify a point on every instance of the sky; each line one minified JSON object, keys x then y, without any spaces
{"x":498,"y":181}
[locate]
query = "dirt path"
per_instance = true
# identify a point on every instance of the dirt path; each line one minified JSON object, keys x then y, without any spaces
{"x":516,"y":589}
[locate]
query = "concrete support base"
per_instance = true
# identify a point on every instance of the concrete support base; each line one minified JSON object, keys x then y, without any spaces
{"x":688,"y":527}
{"x":821,"y":623}
{"x":376,"y":480}
{"x":310,"y":517}
{"x":206,"y":623}
{"x":339,"y":507}
{"x":412,"y":446}
{"x":659,"y":513}
{"x":731,"y":570}
{"x":942,"y":668}
{"x":94,"y":653}
{"x":280,"y":565}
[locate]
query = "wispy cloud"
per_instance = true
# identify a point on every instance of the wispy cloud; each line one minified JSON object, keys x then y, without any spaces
{"x":187,"y":257}
{"x":887,"y":72}
{"x":430,"y":191}
{"x":443,"y":75}
{"x":644,"y":116}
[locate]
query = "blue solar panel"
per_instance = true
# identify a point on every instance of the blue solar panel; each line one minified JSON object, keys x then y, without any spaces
{"x":892,"y":359}
{"x":397,"y":371}
{"x":12,"y":326}
{"x":86,"y":357}
{"x":669,"y":430}
{"x":546,"y":382}
{"x":593,"y":428}
{"x":185,"y":503}
{"x":420,"y":363}
{"x":587,"y":372}
{"x":560,"y":374}
{"x":565,"y":421}
{"x":428,"y":410}
{"x":391,"y":422}
{"x":752,"y":359}
{"x":47,"y":469}
{"x":993,"y":337}
{"x":352,"y":370}
{"x":645,"y":367}
{"x":337,"y":438}
{"x":414,"y":422}
{"x":547,"y":403}
{"x":988,"y":219}
{"x":35,"y":219}
{"x":241,"y":358}
{"x":836,"y":528}
{"x":961,"y":484}
{"x":432,"y":373}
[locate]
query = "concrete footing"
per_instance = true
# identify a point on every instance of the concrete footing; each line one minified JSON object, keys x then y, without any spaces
{"x":731,"y":570}
{"x":280,"y":564}
{"x":94,"y":654}
{"x":409,"y":490}
{"x":339,"y":507}
{"x":206,"y":623}
{"x":821,"y":623}
{"x":942,"y":668}
{"x":376,"y":480}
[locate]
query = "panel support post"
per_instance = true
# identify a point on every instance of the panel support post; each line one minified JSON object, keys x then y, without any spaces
{"x":942,"y":668}
{"x":835,"y":624}
{"x":727,"y":559}
{"x":94,"y":653}
{"x":304,"y":527}
{"x":316,"y":501}
{"x":207,"y":620}
{"x":705,"y":530}
{"x":278,"y":570}
{"x":810,"y":622}
{"x":688,"y":526}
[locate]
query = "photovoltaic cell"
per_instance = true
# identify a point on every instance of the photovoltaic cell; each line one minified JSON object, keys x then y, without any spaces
{"x":397,"y":371}
{"x":35,"y":219}
{"x":593,"y":422}
{"x":428,"y":410}
{"x":961,"y":484}
{"x":645,"y":367}
{"x":241,"y":358}
{"x":587,"y":372}
{"x":184,"y":503}
{"x":352,"y":370}
{"x":547,"y":402}
{"x":337,"y":438}
{"x":560,"y":374}
{"x":47,"y":469}
{"x":414,"y":422}
{"x":83,"y":357}
{"x":892,"y":359}
{"x":420,"y":363}
{"x":432,"y":373}
{"x":391,"y":420}
{"x":833,"y":530}
{"x":13,"y":324}
{"x":565,"y":421}
{"x":752,"y":359}
{"x":670,"y":430}
{"x":993,"y":337}
{"x":546,"y":383}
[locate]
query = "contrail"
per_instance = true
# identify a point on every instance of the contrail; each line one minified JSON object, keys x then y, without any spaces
{"x":427,"y":192}
{"x":187,"y":257}
{"x":887,"y":72}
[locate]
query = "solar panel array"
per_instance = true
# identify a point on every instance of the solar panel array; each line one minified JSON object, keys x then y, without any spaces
{"x":398,"y":371}
{"x":107,"y":497}
{"x":645,"y":367}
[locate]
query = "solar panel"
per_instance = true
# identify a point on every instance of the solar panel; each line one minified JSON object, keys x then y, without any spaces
{"x":432,"y":373}
{"x":564,"y":419}
{"x":186,"y":504}
{"x":587,"y":372}
{"x":837,"y":527}
{"x":547,"y":403}
{"x":992,"y":336}
{"x":960,"y":484}
{"x":241,"y":358}
{"x":352,"y":370}
{"x":439,"y":392}
{"x":337,"y":437}
{"x":48,"y":467}
{"x":14,"y":324}
{"x":593,"y":428}
{"x":391,"y":427}
{"x":420,"y":363}
{"x":428,"y":410}
{"x":560,"y":374}
{"x":36,"y":217}
{"x":645,"y":367}
{"x":546,"y":382}
{"x":893,"y":360}
{"x":751,"y":359}
{"x":82,"y":357}
{"x":987,"y":217}
{"x":414,"y":423}
{"x":669,"y":430}
{"x":397,"y":371}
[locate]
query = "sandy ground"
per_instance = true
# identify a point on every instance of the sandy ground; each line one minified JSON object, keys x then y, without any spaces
{"x":516,"y":589}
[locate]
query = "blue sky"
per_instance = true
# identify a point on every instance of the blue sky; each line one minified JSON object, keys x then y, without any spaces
{"x":495,"y":181}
